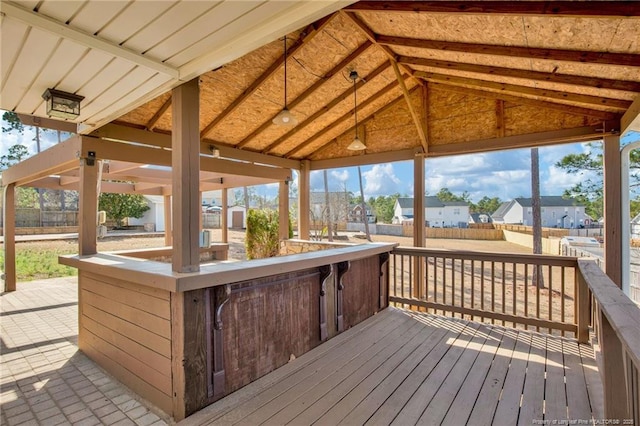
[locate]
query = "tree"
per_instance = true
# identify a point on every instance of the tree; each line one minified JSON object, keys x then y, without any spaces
{"x":364,"y":207}
{"x":262,"y":237}
{"x":383,"y":207}
{"x":445,"y":195}
{"x":14,"y":155}
{"x":537,"y":218}
{"x":590,"y":190}
{"x":121,"y":206}
{"x":486,"y":205}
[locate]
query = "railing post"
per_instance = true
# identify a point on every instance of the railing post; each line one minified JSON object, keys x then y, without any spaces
{"x":583,"y":308}
{"x":613,"y":371}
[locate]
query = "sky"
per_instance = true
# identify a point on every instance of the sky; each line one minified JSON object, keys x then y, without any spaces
{"x":504,"y":174}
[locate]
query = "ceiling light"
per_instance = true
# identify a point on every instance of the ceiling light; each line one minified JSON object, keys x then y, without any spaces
{"x":356,"y":144}
{"x":215,"y":152}
{"x":61,"y":104}
{"x":285,"y":118}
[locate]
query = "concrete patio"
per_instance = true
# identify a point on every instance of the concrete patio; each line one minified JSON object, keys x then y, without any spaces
{"x":44,"y":378}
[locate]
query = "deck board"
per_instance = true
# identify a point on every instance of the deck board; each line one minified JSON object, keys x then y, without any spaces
{"x":402,"y":367}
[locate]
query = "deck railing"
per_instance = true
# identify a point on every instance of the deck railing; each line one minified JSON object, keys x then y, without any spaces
{"x":500,"y":288}
{"x":615,"y":321}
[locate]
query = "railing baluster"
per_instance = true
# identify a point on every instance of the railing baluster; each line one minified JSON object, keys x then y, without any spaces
{"x":453,"y":285}
{"x":462,"y":290}
{"x":550,"y":306}
{"x":473,"y":287}
{"x":537,"y":271}
{"x":514,"y":287}
{"x":504,"y":303}
{"x":426,"y":279}
{"x":526,"y":293}
{"x":444,"y":282}
{"x":482,"y":288}
{"x":562,"y":298}
{"x":493,"y":290}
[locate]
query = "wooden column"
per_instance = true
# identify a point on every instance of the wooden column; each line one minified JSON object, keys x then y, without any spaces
{"x":9,"y":222}
{"x":224,"y":218}
{"x":303,"y":199}
{"x":185,"y":163}
{"x":199,"y":207}
{"x":283,"y":210}
{"x":168,"y":240}
{"x":88,"y":207}
{"x":418,"y":223}
{"x":612,"y":209}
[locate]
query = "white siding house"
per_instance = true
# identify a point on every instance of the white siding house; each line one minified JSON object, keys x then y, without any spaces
{"x":438,"y":214}
{"x":154,"y":215}
{"x":556,"y":212}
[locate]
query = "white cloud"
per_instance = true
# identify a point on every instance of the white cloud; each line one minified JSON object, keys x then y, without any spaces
{"x":340,"y":175}
{"x":380,"y":180}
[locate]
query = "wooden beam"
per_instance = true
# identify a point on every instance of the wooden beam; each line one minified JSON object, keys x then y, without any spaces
{"x":88,"y":208}
{"x":342,"y":118}
{"x":569,"y":109}
{"x":631,"y":118}
{"x":48,"y":123}
{"x":57,"y":159}
{"x":579,"y":134}
{"x":9,"y":242}
{"x":345,"y":94}
{"x":283,"y":210}
{"x":304,"y":205}
{"x":185,"y":163}
{"x":612,"y":208}
{"x":168,"y":235}
{"x":414,"y":115}
{"x":159,"y":113}
{"x":574,"y":80}
{"x":373,"y":38}
{"x":620,"y":59}
{"x":341,"y":65}
{"x":365,"y":159}
{"x":595,"y":102}
{"x":587,"y":9}
{"x":124,"y":133}
{"x":425,"y":112}
{"x":308,"y":34}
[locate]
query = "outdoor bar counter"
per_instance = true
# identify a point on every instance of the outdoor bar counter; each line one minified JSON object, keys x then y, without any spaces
{"x":184,"y":340}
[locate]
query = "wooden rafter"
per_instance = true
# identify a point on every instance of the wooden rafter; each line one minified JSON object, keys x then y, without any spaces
{"x":414,"y":115}
{"x":372,"y":37}
{"x":363,"y":122}
{"x":310,"y":32}
{"x":541,"y":8}
{"x":577,"y":80}
{"x":569,"y":109}
{"x":582,"y":56}
{"x":386,"y":89}
{"x":159,"y":113}
{"x":594,"y":102}
{"x":339,"y":67}
{"x":326,"y":108}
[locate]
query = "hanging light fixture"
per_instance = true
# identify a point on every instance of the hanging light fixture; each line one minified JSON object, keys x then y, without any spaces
{"x":356,"y":144}
{"x":284,"y":117}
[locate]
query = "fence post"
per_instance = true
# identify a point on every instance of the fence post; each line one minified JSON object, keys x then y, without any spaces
{"x":583,"y":308}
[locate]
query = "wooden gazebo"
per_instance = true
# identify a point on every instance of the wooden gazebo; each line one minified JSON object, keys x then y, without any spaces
{"x":164,"y":83}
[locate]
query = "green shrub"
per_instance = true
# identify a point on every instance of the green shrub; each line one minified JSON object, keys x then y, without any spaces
{"x":262,"y":238}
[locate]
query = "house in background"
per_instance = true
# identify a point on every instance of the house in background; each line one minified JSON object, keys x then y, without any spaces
{"x":635,"y":227}
{"x":556,"y":212}
{"x":152,"y":218}
{"x":480,"y":218}
{"x":355,"y":214}
{"x":438,"y":214}
{"x":338,"y":203}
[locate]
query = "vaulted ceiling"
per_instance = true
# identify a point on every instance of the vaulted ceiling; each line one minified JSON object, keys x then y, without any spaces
{"x":438,"y":78}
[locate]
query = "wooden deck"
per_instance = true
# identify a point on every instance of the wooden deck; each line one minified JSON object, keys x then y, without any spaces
{"x":400,"y":367}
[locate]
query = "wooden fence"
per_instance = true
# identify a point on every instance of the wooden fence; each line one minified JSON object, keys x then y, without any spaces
{"x":457,"y":233}
{"x":546,"y":232}
{"x":33,"y":218}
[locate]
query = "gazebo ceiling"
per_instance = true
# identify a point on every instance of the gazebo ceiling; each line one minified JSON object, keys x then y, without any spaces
{"x":436,"y":77}
{"x":472,"y":71}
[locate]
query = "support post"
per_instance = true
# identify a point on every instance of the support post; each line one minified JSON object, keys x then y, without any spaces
{"x":224,"y":218}
{"x":584,"y":311}
{"x":418,"y":223}
{"x":88,"y":207}
{"x":303,"y":199}
{"x":283,"y":210}
{"x":185,"y":163}
{"x":9,"y":222}
{"x":168,"y":240}
{"x":612,"y":209}
{"x":613,"y":374}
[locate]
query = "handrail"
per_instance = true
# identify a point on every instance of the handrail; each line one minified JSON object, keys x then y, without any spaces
{"x":496,"y":287}
{"x":616,"y":323}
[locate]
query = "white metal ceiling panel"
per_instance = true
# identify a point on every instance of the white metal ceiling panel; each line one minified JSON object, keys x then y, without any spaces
{"x":166,"y":25}
{"x":129,"y":23}
{"x":206,"y":24}
{"x":97,"y":14}
{"x":33,"y":57}
{"x":61,"y":11}
{"x":14,"y":34}
{"x":54,"y":73}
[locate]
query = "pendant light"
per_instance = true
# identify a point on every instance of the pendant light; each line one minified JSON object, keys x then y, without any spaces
{"x":356,"y":144}
{"x":284,"y":117}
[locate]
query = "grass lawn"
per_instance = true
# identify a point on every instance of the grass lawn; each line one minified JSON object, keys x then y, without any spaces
{"x":35,"y":262}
